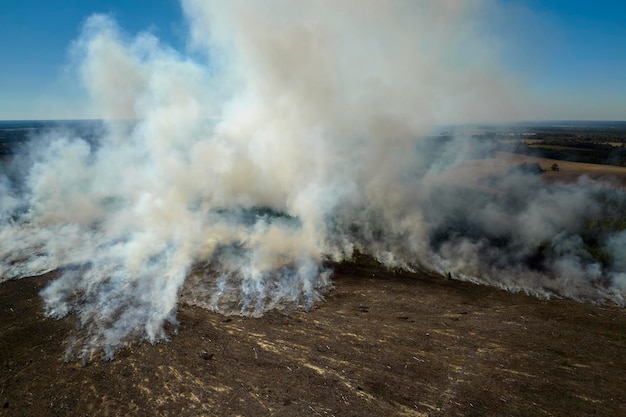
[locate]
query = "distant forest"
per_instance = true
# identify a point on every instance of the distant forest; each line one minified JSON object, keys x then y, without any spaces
{"x":13,"y":134}
{"x":589,"y":142}
{"x":579,"y":141}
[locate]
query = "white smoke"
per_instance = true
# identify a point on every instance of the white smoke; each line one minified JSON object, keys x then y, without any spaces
{"x":292,"y":142}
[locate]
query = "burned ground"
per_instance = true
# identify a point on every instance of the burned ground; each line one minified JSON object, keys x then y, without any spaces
{"x":382,"y":343}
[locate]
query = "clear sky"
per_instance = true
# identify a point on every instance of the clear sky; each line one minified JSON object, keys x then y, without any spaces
{"x":570,"y":55}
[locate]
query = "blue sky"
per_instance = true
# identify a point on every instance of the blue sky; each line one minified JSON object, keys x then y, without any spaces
{"x":35,"y":37}
{"x":574,"y":56}
{"x":569,"y":55}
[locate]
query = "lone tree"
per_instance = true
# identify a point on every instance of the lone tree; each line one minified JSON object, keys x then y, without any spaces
{"x":554,"y":167}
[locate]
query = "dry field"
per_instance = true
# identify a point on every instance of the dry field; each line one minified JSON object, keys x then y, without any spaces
{"x":382,"y":344}
{"x":472,"y":171}
{"x":568,"y":171}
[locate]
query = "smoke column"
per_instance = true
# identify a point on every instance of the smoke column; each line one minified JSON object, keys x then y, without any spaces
{"x":291,"y":136}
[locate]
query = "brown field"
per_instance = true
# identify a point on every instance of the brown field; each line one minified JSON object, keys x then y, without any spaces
{"x":472,"y":171}
{"x":568,"y":171}
{"x":381,"y":344}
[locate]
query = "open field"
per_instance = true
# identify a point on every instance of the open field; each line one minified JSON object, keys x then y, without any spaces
{"x":569,"y":171}
{"x":382,"y":344}
{"x":471,"y":171}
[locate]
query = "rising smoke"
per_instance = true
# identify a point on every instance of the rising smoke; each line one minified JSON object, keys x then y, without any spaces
{"x":291,"y":136}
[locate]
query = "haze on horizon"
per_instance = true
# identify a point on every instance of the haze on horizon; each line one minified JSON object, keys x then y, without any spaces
{"x":565,"y":59}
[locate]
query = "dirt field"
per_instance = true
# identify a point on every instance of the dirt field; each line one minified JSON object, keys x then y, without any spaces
{"x":382,"y":344}
{"x":568,"y":171}
{"x":471,"y":171}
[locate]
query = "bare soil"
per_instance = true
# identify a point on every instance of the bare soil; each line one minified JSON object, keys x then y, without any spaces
{"x":382,"y":344}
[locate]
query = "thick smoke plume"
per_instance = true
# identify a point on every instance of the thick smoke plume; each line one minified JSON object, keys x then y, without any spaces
{"x":291,"y":136}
